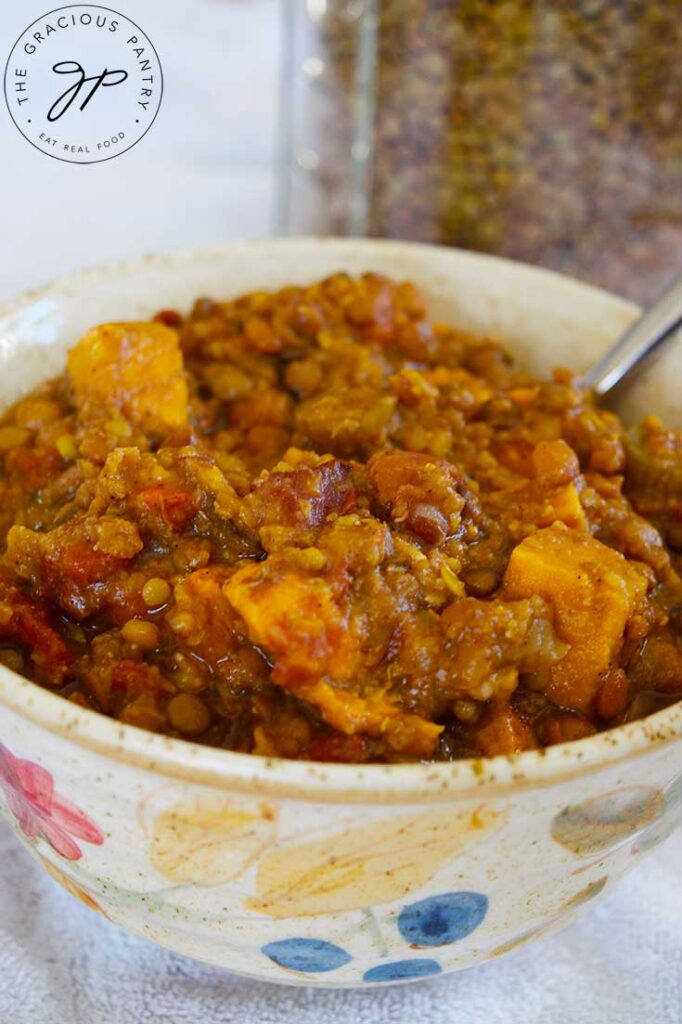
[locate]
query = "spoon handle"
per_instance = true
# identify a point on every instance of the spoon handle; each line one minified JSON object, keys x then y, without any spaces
{"x":646,"y":334}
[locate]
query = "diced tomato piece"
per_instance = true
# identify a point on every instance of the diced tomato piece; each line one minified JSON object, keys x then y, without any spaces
{"x":26,"y":621}
{"x":352,"y":749}
{"x":174,"y":509}
{"x":35,"y":466}
{"x":304,"y":496}
{"x":82,"y":563}
{"x":136,"y":677}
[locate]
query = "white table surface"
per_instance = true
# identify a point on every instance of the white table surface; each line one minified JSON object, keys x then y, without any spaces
{"x":205,"y":173}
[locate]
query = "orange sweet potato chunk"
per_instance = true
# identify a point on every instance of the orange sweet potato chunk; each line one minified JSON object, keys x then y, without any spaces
{"x":134,"y":369}
{"x":557,"y":477}
{"x":593,"y":591}
{"x":201,"y":617}
{"x":297,"y":620}
{"x":563,"y":506}
{"x":374,"y":714}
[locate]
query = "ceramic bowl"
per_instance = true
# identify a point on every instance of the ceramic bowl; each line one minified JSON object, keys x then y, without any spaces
{"x":331,"y":875}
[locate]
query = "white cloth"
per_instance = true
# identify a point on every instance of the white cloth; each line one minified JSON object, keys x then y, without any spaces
{"x":620,"y":963}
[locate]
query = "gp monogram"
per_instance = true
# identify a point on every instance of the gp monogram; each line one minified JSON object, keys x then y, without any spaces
{"x":83,"y":83}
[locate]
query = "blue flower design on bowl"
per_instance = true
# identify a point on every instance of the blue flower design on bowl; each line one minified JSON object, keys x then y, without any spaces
{"x":402,"y":970}
{"x":314,"y":956}
{"x":440,"y":920}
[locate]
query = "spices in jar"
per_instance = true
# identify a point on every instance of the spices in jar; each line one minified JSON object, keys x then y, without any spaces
{"x":545,"y":132}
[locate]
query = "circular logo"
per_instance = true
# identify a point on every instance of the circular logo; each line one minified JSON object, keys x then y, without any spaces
{"x":83,"y":83}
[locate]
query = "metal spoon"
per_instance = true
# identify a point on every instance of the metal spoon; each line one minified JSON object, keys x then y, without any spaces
{"x":644,"y":336}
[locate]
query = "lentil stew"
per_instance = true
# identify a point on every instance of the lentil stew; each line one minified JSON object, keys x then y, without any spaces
{"x":314,"y":524}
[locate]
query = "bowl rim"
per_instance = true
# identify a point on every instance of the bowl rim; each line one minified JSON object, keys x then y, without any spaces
{"x":399,"y":783}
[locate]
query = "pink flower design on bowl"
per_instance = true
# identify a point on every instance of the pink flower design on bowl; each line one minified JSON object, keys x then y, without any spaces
{"x":40,"y":811}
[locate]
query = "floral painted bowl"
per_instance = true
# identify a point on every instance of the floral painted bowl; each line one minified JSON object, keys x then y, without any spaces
{"x":331,"y":875}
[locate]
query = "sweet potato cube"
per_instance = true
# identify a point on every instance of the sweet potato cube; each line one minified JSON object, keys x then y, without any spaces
{"x":563,"y":505}
{"x":374,"y":714}
{"x":593,"y":591}
{"x":557,"y":471}
{"x":133,"y":369}
{"x":296,"y":620}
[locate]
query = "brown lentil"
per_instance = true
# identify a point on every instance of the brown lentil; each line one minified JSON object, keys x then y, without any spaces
{"x":66,"y":446}
{"x":142,"y":634}
{"x":156,"y":592}
{"x":188,"y":714}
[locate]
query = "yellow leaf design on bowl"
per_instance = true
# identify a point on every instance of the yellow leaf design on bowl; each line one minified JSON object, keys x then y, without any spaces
{"x":209,"y":840}
{"x":603,"y":822}
{"x":365,"y":866}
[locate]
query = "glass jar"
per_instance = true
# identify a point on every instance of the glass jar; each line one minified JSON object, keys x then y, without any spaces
{"x":544,"y":130}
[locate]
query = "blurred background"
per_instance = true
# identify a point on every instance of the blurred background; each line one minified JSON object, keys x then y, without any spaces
{"x":203,"y":174}
{"x":548,"y":131}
